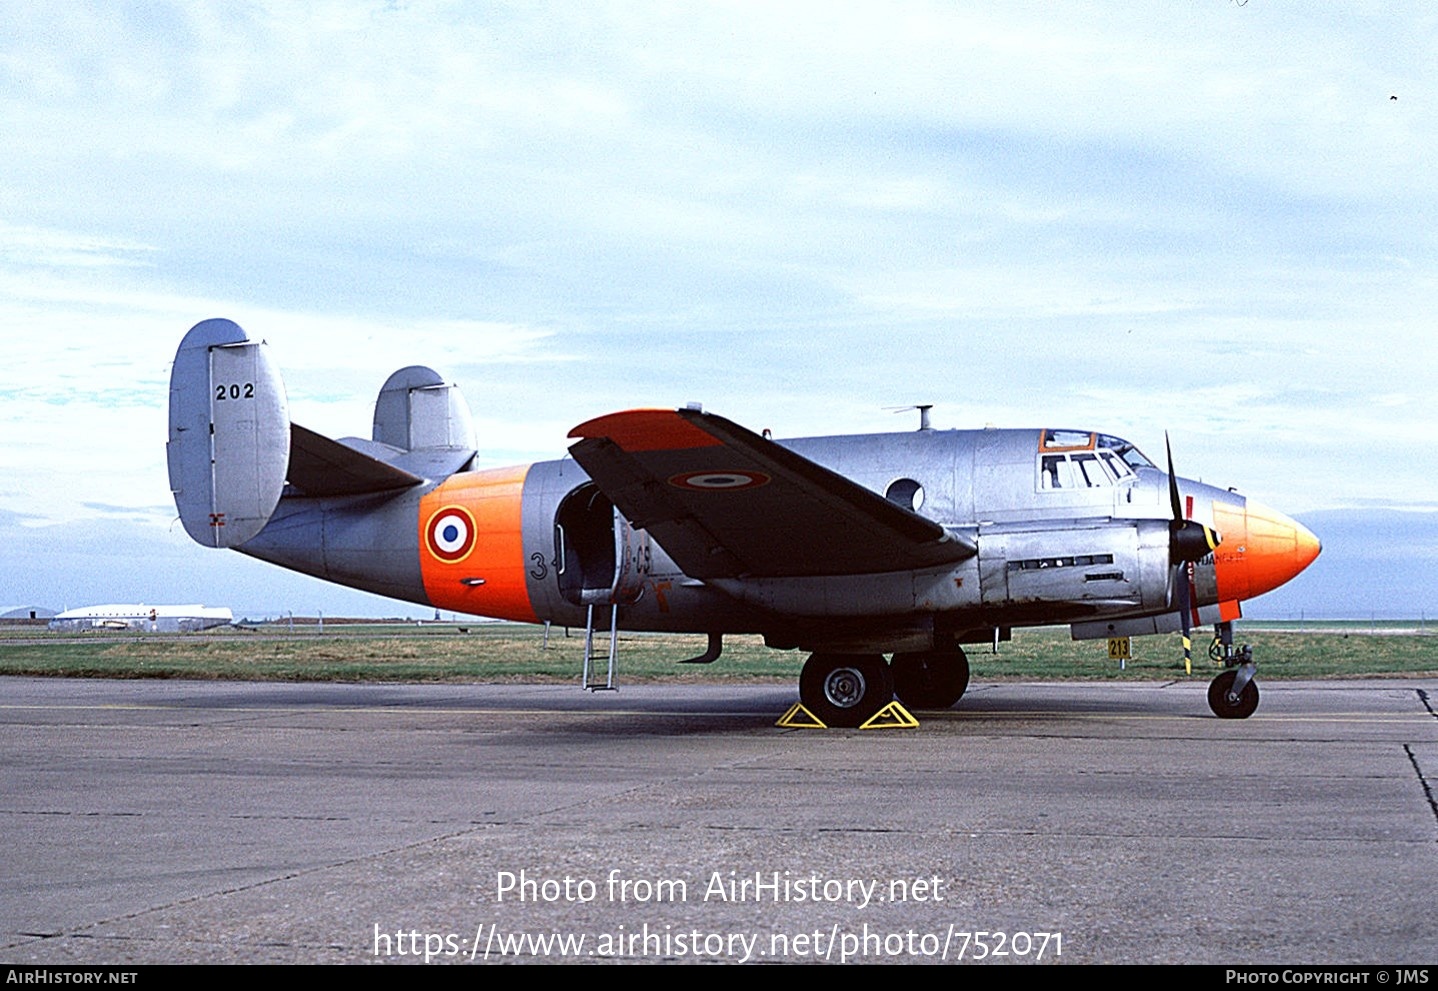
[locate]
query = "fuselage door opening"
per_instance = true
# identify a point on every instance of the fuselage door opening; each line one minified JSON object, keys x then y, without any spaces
{"x":600,"y":558}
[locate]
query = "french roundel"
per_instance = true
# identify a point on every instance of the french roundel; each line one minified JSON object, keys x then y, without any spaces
{"x":719,"y":481}
{"x":449,"y":535}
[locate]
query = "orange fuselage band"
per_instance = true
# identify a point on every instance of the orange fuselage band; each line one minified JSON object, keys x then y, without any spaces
{"x":471,"y":544}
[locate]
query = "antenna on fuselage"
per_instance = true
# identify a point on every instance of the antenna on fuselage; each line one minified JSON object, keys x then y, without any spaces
{"x":923,"y":409}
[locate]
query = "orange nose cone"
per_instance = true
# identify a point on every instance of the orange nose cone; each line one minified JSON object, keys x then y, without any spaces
{"x":1261,"y":549}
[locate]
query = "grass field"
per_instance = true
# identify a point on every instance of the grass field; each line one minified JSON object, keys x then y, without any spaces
{"x":496,"y":652}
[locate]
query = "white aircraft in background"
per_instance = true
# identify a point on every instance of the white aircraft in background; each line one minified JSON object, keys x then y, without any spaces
{"x":138,"y":616}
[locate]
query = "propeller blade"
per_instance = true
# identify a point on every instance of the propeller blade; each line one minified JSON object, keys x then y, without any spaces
{"x":1173,"y":496}
{"x":1188,"y":541}
{"x":1185,"y":610}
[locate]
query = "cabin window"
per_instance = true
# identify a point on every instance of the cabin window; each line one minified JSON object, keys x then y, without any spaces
{"x":905,"y":492}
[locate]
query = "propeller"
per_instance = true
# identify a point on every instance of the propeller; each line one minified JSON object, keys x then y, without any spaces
{"x":1188,"y":543}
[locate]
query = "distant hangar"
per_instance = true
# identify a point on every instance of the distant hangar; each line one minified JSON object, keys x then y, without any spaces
{"x":18,"y":614}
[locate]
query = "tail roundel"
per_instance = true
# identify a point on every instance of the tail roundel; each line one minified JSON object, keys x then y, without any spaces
{"x":229,"y":446}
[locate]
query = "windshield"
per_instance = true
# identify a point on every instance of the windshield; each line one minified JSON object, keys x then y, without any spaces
{"x":1130,"y":454}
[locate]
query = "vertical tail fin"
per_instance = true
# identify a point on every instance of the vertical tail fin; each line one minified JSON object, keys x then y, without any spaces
{"x":229,"y":446}
{"x":417,"y":409}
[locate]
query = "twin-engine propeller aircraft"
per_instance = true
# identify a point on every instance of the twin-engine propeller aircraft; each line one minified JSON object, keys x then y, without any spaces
{"x":848,"y":548}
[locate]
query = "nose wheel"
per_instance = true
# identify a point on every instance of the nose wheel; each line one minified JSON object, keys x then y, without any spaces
{"x":1230,"y":702}
{"x":1234,"y":693}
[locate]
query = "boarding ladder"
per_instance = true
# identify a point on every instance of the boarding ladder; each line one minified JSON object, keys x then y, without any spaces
{"x":590,"y":676}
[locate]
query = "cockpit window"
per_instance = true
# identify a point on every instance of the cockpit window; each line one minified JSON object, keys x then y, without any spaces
{"x":1131,"y":455}
{"x":1054,"y":472}
{"x":1073,"y":459}
{"x":1117,"y":465}
{"x":1066,"y":440}
{"x":1073,"y":471}
{"x":1087,"y":467}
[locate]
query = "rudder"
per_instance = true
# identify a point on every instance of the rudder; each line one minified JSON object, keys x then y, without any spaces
{"x":229,"y":446}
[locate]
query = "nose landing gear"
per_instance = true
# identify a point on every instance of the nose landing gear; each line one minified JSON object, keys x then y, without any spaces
{"x":1234,"y":693}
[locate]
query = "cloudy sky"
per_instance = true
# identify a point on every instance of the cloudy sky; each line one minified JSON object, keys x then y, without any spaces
{"x":1203,"y":216}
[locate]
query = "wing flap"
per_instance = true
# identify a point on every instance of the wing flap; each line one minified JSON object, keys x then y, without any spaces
{"x":725,"y":502}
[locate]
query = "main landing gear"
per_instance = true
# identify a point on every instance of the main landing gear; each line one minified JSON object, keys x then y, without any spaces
{"x":1234,"y":693}
{"x":933,"y":679}
{"x":845,"y":690}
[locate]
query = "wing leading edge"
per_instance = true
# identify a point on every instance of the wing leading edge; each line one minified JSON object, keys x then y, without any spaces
{"x":726,"y":503}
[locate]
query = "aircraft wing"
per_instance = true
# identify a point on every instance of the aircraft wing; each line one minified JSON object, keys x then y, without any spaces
{"x":726,"y":503}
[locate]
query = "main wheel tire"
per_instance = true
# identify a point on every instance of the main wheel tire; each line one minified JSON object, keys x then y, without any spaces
{"x":1225,"y":707}
{"x":845,"y":689}
{"x":933,"y":679}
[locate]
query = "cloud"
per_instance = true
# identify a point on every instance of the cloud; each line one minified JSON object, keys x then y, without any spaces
{"x":1208,"y":219}
{"x":28,"y":247}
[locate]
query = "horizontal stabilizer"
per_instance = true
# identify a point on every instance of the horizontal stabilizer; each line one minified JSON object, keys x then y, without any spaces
{"x":323,"y":467}
{"x":727,"y":503}
{"x":229,"y":441}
